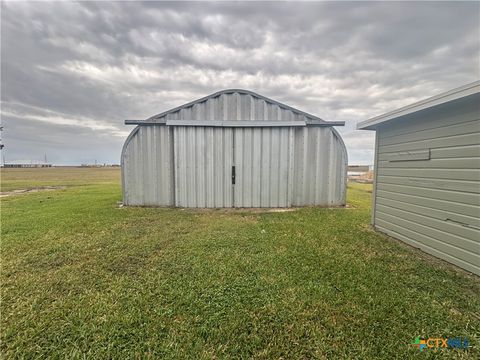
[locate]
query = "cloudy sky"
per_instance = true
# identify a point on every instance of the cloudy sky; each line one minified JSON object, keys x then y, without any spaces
{"x":72,"y":72}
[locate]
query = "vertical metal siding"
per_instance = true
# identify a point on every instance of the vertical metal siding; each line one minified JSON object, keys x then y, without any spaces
{"x":276,"y":167}
{"x":203,"y":161}
{"x":147,"y":167}
{"x":263,"y":167}
{"x":233,"y":106}
{"x":432,"y":203}
{"x":320,"y":163}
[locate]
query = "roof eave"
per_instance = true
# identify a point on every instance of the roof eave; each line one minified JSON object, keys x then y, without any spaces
{"x":243,"y":123}
{"x":442,"y":98}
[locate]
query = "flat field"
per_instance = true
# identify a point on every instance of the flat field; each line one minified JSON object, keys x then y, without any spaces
{"x":84,"y":279}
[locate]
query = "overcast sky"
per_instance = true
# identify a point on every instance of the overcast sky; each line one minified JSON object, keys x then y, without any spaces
{"x":72,"y":72}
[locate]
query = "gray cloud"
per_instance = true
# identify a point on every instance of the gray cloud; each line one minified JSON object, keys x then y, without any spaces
{"x":71,"y":72}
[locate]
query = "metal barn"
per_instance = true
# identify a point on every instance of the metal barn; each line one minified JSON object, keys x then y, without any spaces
{"x":234,"y":148}
{"x":427,"y":175}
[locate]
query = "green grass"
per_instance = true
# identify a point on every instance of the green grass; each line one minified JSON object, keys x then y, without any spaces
{"x":13,"y":179}
{"x":82,"y":278}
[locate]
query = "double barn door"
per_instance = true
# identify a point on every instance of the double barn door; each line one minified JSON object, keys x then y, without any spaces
{"x":233,"y":166}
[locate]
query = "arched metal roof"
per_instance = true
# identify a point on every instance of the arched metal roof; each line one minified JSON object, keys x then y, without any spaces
{"x":312,"y":119}
{"x":239,"y":91}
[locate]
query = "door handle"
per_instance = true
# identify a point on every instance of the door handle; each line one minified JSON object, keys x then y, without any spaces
{"x":233,"y":175}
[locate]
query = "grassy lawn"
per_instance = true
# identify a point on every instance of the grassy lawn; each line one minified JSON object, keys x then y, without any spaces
{"x":13,"y":179}
{"x":82,"y":278}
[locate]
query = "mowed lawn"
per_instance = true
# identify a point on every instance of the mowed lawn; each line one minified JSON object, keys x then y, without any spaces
{"x":83,"y":278}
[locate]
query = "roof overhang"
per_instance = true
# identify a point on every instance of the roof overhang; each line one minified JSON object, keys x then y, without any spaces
{"x":452,"y":95}
{"x":236,"y":123}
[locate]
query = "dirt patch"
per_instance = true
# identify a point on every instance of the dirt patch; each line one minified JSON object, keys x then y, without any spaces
{"x":27,"y":191}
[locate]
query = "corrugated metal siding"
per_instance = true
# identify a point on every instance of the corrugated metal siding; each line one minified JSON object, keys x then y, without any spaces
{"x":203,"y":163}
{"x":264,"y":167}
{"x":233,"y":106}
{"x":320,"y":168}
{"x":267,"y":159}
{"x":147,"y":167}
{"x":433,"y":204}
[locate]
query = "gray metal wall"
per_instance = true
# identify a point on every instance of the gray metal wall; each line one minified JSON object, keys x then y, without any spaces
{"x":203,"y":161}
{"x":264,"y":162}
{"x":320,"y":168}
{"x":190,"y":166}
{"x":147,"y":167}
{"x":428,"y":181}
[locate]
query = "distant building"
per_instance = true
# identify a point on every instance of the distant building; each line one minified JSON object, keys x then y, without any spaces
{"x":359,"y":168}
{"x":360,"y":173}
{"x":26,"y":164}
{"x":99,"y":165}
